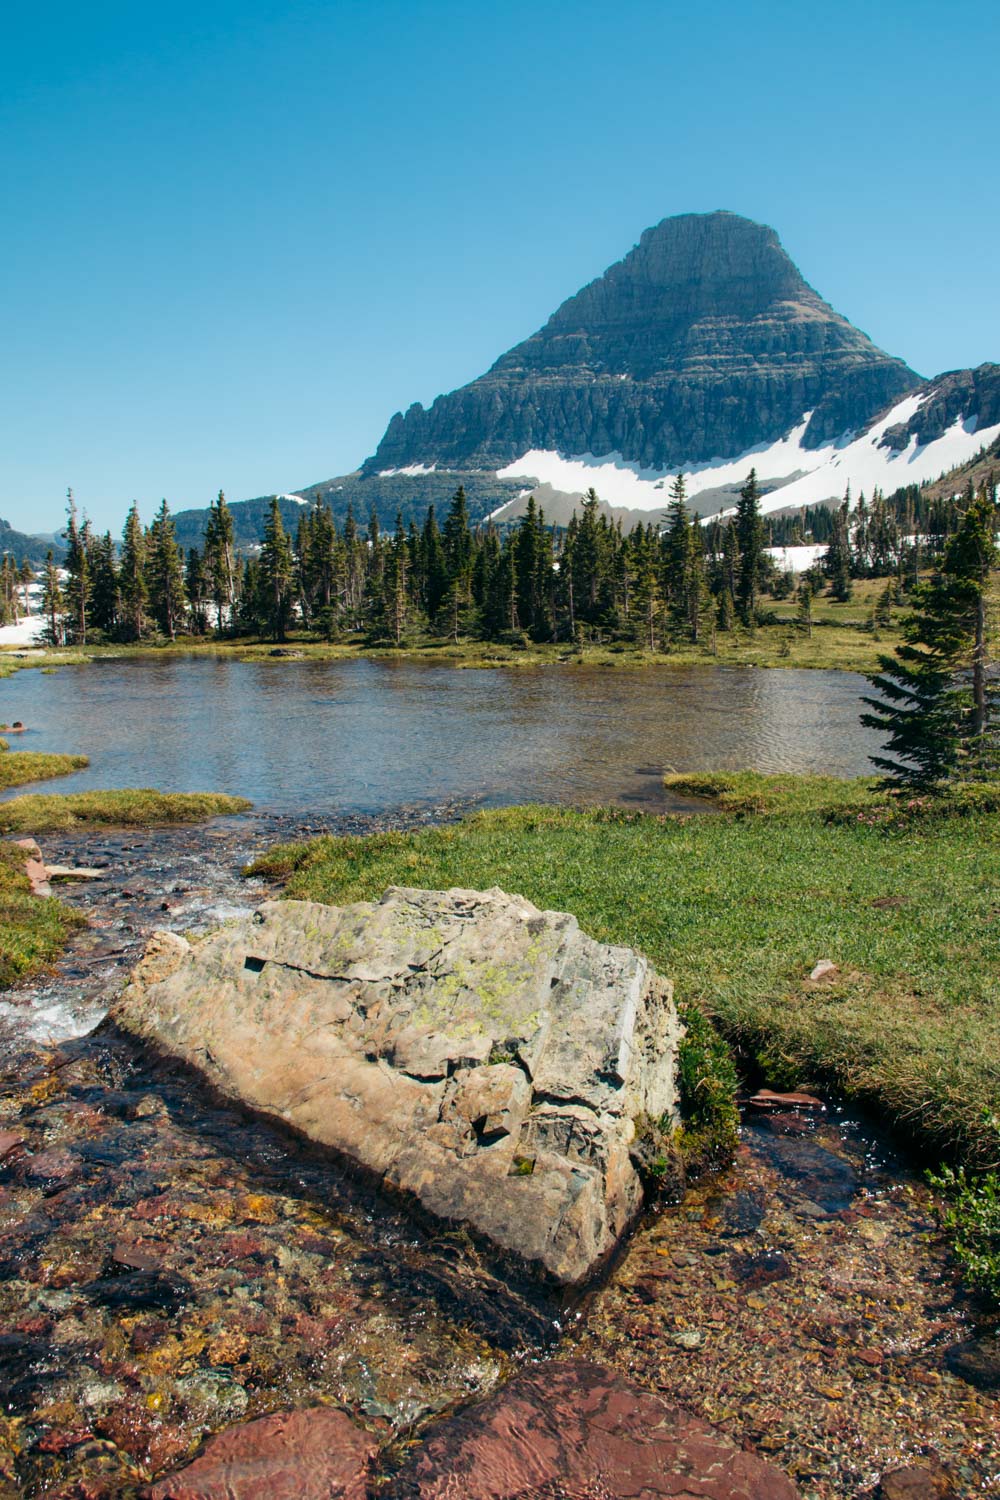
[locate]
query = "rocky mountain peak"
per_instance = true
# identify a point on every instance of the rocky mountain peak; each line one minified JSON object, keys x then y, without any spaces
{"x":704,"y":341}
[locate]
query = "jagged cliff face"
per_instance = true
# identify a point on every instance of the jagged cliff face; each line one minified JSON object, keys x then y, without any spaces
{"x":702,"y":343}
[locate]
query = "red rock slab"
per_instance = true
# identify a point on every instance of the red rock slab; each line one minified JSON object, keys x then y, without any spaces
{"x":573,"y":1431}
{"x":9,"y":1142}
{"x":768,"y":1099}
{"x":314,"y":1454}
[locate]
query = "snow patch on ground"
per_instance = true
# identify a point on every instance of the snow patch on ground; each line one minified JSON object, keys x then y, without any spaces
{"x":812,"y":474}
{"x":797,"y":558}
{"x":25,"y":633}
{"x":296,"y":499}
{"x":409,"y":471}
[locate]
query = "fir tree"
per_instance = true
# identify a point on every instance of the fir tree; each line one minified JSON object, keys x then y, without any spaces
{"x":132,"y":585}
{"x":165,"y":568}
{"x":277,"y":575}
{"x":53,"y":602}
{"x":935,"y":707}
{"x":750,"y":544}
{"x":219,"y":555}
{"x":77,"y":591}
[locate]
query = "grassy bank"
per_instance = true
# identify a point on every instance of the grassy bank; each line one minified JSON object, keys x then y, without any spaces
{"x":18,"y":767}
{"x":119,"y":809}
{"x":33,"y":929}
{"x":738,"y":909}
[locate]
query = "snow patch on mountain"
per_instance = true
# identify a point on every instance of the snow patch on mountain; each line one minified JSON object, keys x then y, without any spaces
{"x":801,"y":476}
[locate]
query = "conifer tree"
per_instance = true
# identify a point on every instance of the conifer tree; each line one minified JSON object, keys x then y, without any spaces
{"x":165,"y":568}
{"x":277,"y":575}
{"x":750,"y":544}
{"x":196,"y":588}
{"x":77,"y":591}
{"x":104,"y":600}
{"x":53,"y":602}
{"x":935,"y":707}
{"x":219,"y":555}
{"x":837,"y":561}
{"x":804,"y":611}
{"x":132,"y":585}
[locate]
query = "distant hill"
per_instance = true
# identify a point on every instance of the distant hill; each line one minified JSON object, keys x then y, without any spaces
{"x":409,"y":494}
{"x":21,"y":546}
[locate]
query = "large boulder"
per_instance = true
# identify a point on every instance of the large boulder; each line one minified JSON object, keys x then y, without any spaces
{"x":469,"y":1051}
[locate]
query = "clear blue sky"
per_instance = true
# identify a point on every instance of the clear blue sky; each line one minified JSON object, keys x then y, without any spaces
{"x":240,"y":234}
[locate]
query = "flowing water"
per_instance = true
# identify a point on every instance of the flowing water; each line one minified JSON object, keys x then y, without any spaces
{"x":169,"y":1267}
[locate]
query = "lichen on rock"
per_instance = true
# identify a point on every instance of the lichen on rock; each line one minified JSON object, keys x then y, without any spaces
{"x":472,"y":1053}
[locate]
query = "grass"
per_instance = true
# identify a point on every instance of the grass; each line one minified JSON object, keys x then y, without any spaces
{"x":130,"y":808}
{"x":20,"y":766}
{"x":33,"y":929}
{"x":738,"y":909}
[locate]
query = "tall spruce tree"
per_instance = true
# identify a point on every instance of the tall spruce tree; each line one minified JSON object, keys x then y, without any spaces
{"x":53,"y":602}
{"x":749,"y":538}
{"x":935,"y":707}
{"x":277,"y":575}
{"x":77,"y":592}
{"x":165,"y":567}
{"x":220,"y":558}
{"x":132,"y":583}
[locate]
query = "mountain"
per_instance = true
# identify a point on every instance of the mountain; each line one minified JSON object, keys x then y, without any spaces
{"x":703,"y":350}
{"x":703,"y":342}
{"x":20,"y":545}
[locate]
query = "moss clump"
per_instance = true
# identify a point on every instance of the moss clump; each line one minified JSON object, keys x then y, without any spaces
{"x":708,"y":1083}
{"x":119,"y":809}
{"x":971,"y":1218}
{"x":33,"y":929}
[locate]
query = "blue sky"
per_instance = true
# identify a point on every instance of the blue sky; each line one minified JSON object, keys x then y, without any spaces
{"x":239,"y":236}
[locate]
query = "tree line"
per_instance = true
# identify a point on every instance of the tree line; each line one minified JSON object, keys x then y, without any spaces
{"x":672,"y":580}
{"x":664,"y":581}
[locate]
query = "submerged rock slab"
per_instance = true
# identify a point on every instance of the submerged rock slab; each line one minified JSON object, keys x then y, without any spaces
{"x":314,"y":1454}
{"x":573,"y":1431}
{"x":469,"y":1051}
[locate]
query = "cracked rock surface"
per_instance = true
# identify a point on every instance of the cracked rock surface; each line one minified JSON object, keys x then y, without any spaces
{"x":469,"y":1051}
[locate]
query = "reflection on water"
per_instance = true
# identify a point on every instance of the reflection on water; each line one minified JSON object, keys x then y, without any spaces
{"x":298,"y":735}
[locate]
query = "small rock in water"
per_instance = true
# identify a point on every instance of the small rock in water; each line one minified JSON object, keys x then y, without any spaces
{"x":768,"y":1099}
{"x":927,"y":1480}
{"x":10,"y":1140}
{"x":977,"y":1361}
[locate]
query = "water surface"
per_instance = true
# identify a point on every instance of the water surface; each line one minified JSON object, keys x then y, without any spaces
{"x":367,"y":736}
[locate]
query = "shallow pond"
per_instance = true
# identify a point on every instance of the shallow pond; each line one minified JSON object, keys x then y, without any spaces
{"x":369,"y":736}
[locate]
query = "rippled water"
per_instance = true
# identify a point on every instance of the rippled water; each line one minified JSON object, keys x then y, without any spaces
{"x":363,"y":735}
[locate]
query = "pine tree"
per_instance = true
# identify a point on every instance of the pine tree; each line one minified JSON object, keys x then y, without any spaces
{"x":804,"y":611}
{"x":196,"y":588}
{"x":277,"y":575}
{"x":219,"y":558}
{"x":77,"y":591}
{"x":935,"y":707}
{"x":104,"y":599}
{"x":53,"y":602}
{"x":750,"y":543}
{"x":165,"y":567}
{"x":132,"y":585}
{"x":837,"y":561}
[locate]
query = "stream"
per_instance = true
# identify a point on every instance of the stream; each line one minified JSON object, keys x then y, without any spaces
{"x":171,"y":1266}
